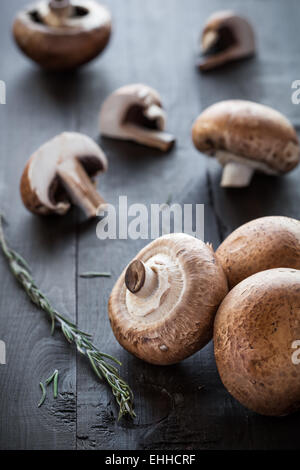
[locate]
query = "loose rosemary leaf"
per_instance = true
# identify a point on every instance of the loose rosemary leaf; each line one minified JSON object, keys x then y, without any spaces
{"x":98,"y":360}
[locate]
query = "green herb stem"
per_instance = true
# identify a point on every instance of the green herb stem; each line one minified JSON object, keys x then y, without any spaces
{"x":102,"y":368}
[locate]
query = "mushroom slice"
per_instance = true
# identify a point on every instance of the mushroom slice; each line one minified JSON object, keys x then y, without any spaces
{"x":62,"y":34}
{"x":60,"y":172}
{"x":134,"y":112}
{"x":162,"y":308}
{"x":265,"y":243}
{"x":255,"y":332}
{"x":246,"y":137}
{"x":226,"y":37}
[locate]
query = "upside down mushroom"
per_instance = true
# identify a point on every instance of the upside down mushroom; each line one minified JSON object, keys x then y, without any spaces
{"x":246,"y":137}
{"x":256,"y":330}
{"x":60,"y":173}
{"x":162,"y":308}
{"x":226,"y":37}
{"x":62,"y":34}
{"x":135,"y":112}
{"x":265,"y":243}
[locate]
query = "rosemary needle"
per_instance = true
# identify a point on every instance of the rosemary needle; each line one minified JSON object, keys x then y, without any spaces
{"x":55,"y":384}
{"x":91,"y":275}
{"x":43,"y":394}
{"x":83,"y":342}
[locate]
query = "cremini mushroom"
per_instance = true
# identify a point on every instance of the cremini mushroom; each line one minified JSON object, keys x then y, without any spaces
{"x":246,"y":137}
{"x":226,"y":37}
{"x":162,"y":308}
{"x":61,"y":172}
{"x":62,"y":34}
{"x":135,"y":112}
{"x":256,"y":330}
{"x":265,"y":243}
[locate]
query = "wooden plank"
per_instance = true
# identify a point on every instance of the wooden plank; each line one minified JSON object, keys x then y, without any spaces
{"x":179,"y":407}
{"x":38,"y":106}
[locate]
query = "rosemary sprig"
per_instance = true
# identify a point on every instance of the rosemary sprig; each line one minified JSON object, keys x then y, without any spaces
{"x":83,"y":342}
{"x":91,"y":275}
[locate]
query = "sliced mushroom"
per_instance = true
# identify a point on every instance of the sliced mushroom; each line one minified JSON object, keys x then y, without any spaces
{"x":226,"y":37}
{"x":265,"y":243}
{"x":255,"y":330}
{"x":134,"y":112}
{"x":246,"y":137}
{"x":62,"y":34}
{"x":162,"y":307}
{"x":60,"y":172}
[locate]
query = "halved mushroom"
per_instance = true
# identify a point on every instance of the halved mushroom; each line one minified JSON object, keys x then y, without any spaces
{"x":61,"y":172}
{"x":265,"y":243}
{"x":255,"y":330}
{"x":134,"y":112}
{"x":226,"y":37}
{"x":246,"y":137}
{"x":62,"y":34}
{"x":162,"y":308}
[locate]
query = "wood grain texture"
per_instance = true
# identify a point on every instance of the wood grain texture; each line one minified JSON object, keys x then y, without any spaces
{"x":179,"y":407}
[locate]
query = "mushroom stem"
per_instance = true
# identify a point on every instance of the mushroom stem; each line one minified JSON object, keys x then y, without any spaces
{"x":140,"y":279}
{"x":236,"y":175}
{"x":152,"y":138}
{"x":57,"y":13}
{"x":79,"y":187}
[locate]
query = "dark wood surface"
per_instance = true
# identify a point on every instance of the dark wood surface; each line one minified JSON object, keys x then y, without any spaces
{"x":179,"y":407}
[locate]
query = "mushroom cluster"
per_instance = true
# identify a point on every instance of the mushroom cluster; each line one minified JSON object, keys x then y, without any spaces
{"x":226,"y":37}
{"x":60,"y":173}
{"x":62,"y":34}
{"x":135,"y":112}
{"x":162,"y":307}
{"x":246,"y":137}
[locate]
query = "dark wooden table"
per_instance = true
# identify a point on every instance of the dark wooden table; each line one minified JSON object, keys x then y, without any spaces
{"x":153,"y":42}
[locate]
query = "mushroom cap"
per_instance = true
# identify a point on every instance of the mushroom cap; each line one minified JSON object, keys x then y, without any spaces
{"x":114,"y":111}
{"x":40,"y":183}
{"x":248,"y":133}
{"x":81,"y":38}
{"x":254,"y":330}
{"x":265,"y":243}
{"x":226,"y":36}
{"x":176,"y":320}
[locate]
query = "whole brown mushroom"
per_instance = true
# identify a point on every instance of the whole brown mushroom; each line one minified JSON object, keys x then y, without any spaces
{"x":256,"y":330}
{"x":246,"y":137}
{"x":265,"y":243}
{"x":60,"y":173}
{"x":162,"y":308}
{"x":62,"y":34}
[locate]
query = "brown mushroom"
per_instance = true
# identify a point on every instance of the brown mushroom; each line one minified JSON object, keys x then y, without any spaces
{"x":255,"y":330}
{"x":62,"y":34}
{"x":265,"y":243}
{"x":162,"y":308}
{"x":246,"y":137}
{"x":60,"y":172}
{"x":135,"y":112}
{"x":226,"y":37}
